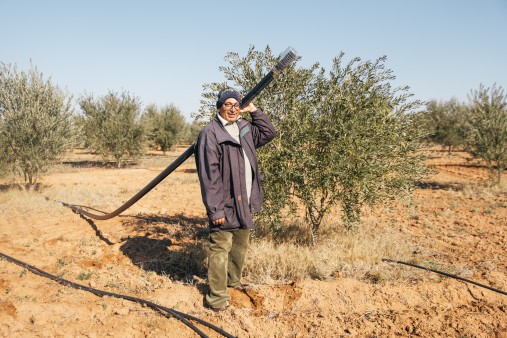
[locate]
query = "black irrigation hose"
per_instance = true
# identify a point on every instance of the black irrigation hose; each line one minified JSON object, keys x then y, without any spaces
{"x":445,"y":274}
{"x":183,"y":317}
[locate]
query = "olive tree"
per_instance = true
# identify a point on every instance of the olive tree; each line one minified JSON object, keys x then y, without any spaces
{"x":190,"y":132}
{"x":488,"y":122}
{"x":112,"y":127}
{"x":344,"y":137}
{"x":164,"y":126}
{"x":447,"y":123}
{"x":35,"y":122}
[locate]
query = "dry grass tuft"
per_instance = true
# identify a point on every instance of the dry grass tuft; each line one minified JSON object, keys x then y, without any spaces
{"x":101,"y":198}
{"x":485,"y":190}
{"x":49,"y":199}
{"x":24,"y":202}
{"x":355,"y":254}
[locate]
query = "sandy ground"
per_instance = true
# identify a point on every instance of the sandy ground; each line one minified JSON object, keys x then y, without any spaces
{"x":450,"y":222}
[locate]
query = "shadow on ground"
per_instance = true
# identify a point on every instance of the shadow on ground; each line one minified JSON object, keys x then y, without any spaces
{"x":99,"y":164}
{"x":174,"y":246}
{"x":433,"y":185}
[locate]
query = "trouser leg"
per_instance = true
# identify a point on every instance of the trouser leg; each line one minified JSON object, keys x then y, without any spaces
{"x":237,"y":255}
{"x":220,"y":246}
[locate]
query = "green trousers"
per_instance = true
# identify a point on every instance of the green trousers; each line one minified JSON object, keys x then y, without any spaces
{"x":226,"y":258}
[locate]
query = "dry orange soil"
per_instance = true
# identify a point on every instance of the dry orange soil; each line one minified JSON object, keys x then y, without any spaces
{"x":450,"y":222}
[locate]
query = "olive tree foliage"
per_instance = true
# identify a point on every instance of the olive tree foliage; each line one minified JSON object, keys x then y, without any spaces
{"x":111,"y":126}
{"x":488,"y":128}
{"x":164,"y":126}
{"x":362,"y":143}
{"x":447,"y":123}
{"x":344,"y":137}
{"x":35,"y":123}
{"x":190,"y":132}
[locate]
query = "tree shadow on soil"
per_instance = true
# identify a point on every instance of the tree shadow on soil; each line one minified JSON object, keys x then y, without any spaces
{"x":433,"y":185}
{"x":22,"y":187}
{"x":99,"y":164}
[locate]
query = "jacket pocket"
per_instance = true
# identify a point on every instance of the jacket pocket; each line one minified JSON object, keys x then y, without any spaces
{"x":231,"y":219}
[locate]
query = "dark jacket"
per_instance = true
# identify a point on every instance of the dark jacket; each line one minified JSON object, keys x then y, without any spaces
{"x":221,"y":170}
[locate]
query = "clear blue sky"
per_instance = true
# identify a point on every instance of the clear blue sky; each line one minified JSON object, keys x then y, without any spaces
{"x":164,"y":51}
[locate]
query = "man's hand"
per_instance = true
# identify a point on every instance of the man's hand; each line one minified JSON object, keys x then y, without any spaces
{"x":248,"y":109}
{"x":219,"y":221}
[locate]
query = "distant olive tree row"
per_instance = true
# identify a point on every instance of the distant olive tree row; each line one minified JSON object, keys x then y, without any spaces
{"x":38,"y":124}
{"x":478,"y":127}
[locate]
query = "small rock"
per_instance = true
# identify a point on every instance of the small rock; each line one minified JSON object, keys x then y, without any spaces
{"x":122,"y":311}
{"x":244,"y":322}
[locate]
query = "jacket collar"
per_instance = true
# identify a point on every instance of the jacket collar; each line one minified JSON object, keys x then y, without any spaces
{"x":221,"y":134}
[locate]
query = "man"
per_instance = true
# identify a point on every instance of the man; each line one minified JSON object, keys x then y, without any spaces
{"x":231,"y":188}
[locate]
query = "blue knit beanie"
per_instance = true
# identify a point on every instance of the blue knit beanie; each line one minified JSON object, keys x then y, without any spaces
{"x":225,"y":94}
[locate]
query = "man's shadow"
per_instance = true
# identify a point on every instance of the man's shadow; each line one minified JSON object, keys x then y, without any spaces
{"x":174,"y":246}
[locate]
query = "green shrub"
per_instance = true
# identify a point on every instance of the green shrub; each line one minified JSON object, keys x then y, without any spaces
{"x":164,"y":126}
{"x":488,"y":136}
{"x":111,"y":126}
{"x":447,"y":123}
{"x":35,"y":127}
{"x":190,"y":132}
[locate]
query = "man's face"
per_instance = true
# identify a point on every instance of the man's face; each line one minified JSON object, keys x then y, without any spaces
{"x":229,"y":111}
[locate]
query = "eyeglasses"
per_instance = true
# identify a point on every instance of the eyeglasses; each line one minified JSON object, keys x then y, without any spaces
{"x":229,"y":105}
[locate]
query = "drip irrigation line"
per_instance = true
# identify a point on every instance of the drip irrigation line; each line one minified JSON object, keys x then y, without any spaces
{"x":445,"y":274}
{"x":183,"y":317}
